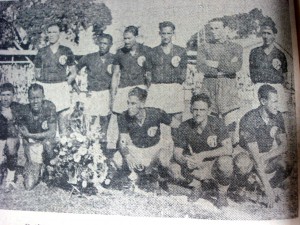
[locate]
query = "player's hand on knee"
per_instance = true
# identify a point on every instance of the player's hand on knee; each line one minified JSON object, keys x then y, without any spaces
{"x":191,"y":163}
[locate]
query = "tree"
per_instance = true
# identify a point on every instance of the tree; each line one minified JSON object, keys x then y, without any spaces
{"x":73,"y":15}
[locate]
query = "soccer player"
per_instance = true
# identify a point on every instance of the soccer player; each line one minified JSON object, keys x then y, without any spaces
{"x":143,"y":143}
{"x":268,"y":65}
{"x":169,"y":63}
{"x":203,"y":151}
{"x":37,"y":123}
{"x":9,"y":111}
{"x":99,"y":69}
{"x":51,"y":63}
{"x":263,"y":135}
{"x":220,"y":60}
{"x":129,"y":69}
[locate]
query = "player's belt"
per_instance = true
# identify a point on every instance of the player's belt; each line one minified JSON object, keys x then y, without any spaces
{"x":229,"y":75}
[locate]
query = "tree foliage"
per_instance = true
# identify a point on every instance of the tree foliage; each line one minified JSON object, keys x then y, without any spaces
{"x":73,"y":15}
{"x":242,"y":25}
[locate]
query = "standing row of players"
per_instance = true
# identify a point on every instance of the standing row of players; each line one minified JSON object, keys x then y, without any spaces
{"x":148,"y":82}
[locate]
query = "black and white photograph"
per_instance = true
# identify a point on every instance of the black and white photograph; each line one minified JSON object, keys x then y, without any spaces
{"x":149,"y":108}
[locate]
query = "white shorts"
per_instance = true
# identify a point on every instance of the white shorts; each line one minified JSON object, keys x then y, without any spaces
{"x":120,"y":104}
{"x":168,"y":97}
{"x":283,"y":96}
{"x":58,"y":93}
{"x":96,"y":102}
{"x":162,"y":151}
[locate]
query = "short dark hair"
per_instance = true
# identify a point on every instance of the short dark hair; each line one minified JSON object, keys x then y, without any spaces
{"x":132,"y":29}
{"x":35,"y":87}
{"x":138,"y":92}
{"x":264,"y":90}
{"x":166,"y":24}
{"x":54,"y":25}
{"x":7,"y":87}
{"x":107,"y":36}
{"x":269,"y":24}
{"x":201,"y":97}
{"x":225,"y":24}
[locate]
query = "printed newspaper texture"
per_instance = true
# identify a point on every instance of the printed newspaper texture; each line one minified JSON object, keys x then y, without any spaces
{"x":181,"y":109}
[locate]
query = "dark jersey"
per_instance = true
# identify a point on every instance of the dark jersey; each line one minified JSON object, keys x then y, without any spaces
{"x":53,"y":65}
{"x":133,"y":67}
{"x":147,"y":134}
{"x":168,"y":68}
{"x":211,"y":137}
{"x":254,"y":129}
{"x":228,"y":54}
{"x":16,"y":109}
{"x":3,"y":128}
{"x":38,"y":122}
{"x":98,"y":69}
{"x":267,"y":68}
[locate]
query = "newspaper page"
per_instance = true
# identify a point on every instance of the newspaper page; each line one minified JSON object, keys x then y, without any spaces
{"x":140,"y":111}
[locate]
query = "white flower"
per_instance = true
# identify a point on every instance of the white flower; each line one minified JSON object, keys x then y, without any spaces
{"x":82,"y":150}
{"x":63,"y":60}
{"x":84,"y":184}
{"x":69,"y":145}
{"x":77,"y":157}
{"x":175,"y":61}
{"x":73,"y":136}
{"x":64,"y":140}
{"x":62,"y":153}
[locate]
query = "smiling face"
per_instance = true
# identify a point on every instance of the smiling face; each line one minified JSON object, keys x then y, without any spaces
{"x":6,"y":98}
{"x":134,"y":105}
{"x":53,"y":34}
{"x":36,"y":98}
{"x":166,"y":34}
{"x":129,"y":40}
{"x":217,"y":30}
{"x":267,"y":35}
{"x":200,"y":111}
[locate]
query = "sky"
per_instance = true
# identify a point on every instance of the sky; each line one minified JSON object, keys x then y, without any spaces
{"x":188,"y":15}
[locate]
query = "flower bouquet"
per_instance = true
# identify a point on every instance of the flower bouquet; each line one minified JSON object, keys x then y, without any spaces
{"x":80,"y":162}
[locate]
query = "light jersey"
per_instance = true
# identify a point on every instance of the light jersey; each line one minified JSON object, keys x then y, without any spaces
{"x":211,"y":137}
{"x":99,"y":70}
{"x":133,"y":67}
{"x":168,"y":68}
{"x":228,"y":54}
{"x":53,"y":66}
{"x":267,"y":68}
{"x":254,"y":129}
{"x":38,"y":123}
{"x":147,"y":134}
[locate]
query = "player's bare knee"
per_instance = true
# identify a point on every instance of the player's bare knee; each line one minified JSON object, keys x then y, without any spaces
{"x":243,"y":163}
{"x":225,"y":165}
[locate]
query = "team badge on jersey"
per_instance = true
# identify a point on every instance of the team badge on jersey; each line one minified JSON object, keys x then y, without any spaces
{"x":63,"y":60}
{"x":274,"y":131}
{"x":212,"y":141}
{"x":152,"y":131}
{"x":45,"y":125}
{"x":109,"y":68}
{"x":141,"y":60}
{"x":276,"y":63}
{"x":175,"y":61}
